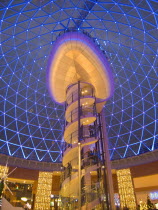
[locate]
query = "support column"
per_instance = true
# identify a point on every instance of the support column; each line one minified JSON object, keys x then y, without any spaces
{"x":107,"y":162}
{"x":79,"y":150}
{"x":79,"y":176}
{"x":44,"y":188}
{"x":34,"y":191}
{"x":126,"y":189}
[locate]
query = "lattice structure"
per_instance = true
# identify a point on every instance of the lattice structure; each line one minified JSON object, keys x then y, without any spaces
{"x":31,"y":125}
{"x":126,"y":189}
{"x":44,"y":187}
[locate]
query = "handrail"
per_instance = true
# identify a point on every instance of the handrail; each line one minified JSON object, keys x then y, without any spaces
{"x":87,"y":131}
{"x":74,"y":95}
{"x":89,"y":194}
{"x":84,"y":110}
{"x":91,"y":160}
{"x":67,"y":202}
{"x":73,"y":29}
{"x":70,"y":139}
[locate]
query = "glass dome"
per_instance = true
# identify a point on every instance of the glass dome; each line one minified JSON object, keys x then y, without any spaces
{"x":31,"y":124}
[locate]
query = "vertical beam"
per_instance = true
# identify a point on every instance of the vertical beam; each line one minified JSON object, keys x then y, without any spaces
{"x":79,"y":112}
{"x":79,"y":150}
{"x":103,"y":167}
{"x":79,"y":175}
{"x":34,"y":191}
{"x":44,"y":188}
{"x":107,"y":162}
{"x":126,"y":189}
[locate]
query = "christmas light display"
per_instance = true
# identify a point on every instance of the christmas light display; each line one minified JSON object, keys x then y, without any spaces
{"x":43,"y":195}
{"x":126,"y":189}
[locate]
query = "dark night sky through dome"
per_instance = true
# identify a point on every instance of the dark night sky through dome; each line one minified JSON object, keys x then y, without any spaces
{"x":31,"y":123}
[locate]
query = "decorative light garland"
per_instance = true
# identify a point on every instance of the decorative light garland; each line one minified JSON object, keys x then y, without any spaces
{"x":126,"y":189}
{"x":3,"y":171}
{"x":44,"y":188}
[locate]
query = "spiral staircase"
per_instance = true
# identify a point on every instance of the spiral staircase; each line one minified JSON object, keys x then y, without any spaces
{"x":83,"y":156}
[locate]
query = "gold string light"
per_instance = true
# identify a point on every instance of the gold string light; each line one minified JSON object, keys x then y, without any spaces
{"x":3,"y":171}
{"x":126,"y":189}
{"x":44,"y":188}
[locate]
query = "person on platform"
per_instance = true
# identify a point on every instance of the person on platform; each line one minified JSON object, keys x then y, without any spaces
{"x":69,"y":169}
{"x":90,"y":156}
{"x":91,"y":130}
{"x":95,"y":155}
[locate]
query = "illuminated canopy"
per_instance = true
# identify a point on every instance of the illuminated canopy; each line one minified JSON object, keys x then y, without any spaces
{"x":75,"y":57}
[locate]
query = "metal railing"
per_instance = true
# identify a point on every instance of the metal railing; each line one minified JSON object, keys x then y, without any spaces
{"x":89,"y":92}
{"x":71,"y":138}
{"x":73,"y":29}
{"x":91,"y":193}
{"x":69,"y":203}
{"x":87,"y":131}
{"x":93,"y":158}
{"x":68,"y":171}
{"x":84,"y":111}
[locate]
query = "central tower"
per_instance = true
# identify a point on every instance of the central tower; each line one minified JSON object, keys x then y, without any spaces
{"x":79,"y":77}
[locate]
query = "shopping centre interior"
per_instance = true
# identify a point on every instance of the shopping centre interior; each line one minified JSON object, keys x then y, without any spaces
{"x":78,"y":105}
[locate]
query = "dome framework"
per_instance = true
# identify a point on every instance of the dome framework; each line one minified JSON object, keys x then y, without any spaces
{"x":31,"y":125}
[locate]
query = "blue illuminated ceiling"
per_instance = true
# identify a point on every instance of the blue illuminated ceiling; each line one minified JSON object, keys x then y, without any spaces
{"x":31,"y":124}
